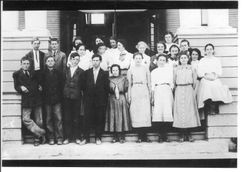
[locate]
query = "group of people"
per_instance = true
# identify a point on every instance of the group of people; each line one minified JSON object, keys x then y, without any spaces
{"x":112,"y":90}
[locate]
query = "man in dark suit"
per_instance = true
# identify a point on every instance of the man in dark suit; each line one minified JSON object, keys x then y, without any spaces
{"x":96,"y":85}
{"x":72,"y":93}
{"x":59,"y":56}
{"x":26,"y":83}
{"x":36,"y":56}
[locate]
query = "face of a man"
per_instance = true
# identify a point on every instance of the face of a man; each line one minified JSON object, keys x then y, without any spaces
{"x":96,"y":62}
{"x":113,"y":43}
{"x":36,"y":45}
{"x":54,"y":45}
{"x":50,"y":62}
{"x":74,"y":61}
{"x":25,"y":64}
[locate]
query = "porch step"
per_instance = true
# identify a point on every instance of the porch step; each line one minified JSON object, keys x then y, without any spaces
{"x":132,"y":137}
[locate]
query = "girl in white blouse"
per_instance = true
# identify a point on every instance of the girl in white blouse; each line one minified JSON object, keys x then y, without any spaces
{"x":211,"y":91}
{"x":162,"y":85}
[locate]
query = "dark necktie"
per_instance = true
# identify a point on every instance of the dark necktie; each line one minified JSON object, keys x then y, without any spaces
{"x":27,"y":74}
{"x":36,"y":56}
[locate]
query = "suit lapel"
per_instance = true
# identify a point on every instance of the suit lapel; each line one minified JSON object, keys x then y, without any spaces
{"x":99,"y":75}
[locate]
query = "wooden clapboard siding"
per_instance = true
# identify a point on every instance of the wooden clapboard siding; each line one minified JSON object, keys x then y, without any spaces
{"x":222,"y":120}
{"x":222,"y":132}
{"x":173,"y":19}
{"x":233,"y":17}
{"x":53,"y":23}
{"x":12,"y":134}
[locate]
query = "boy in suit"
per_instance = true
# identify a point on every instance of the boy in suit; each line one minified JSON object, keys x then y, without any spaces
{"x":26,"y":83}
{"x":52,"y":94}
{"x":36,"y":56}
{"x":72,"y":92}
{"x":96,"y":87}
{"x":59,"y":56}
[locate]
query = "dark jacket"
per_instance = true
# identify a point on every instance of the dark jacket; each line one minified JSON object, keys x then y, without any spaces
{"x":33,"y":97}
{"x":60,"y":60}
{"x":95,"y":94}
{"x":30,"y":55}
{"x":52,"y":84}
{"x":73,"y":85}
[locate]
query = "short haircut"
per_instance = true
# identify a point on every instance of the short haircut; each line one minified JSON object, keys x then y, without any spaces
{"x":73,"y":55}
{"x":97,"y":55}
{"x":79,"y":45}
{"x":162,"y":55}
{"x":186,"y":53}
{"x":209,"y":44}
{"x":174,"y":46}
{"x":184,"y":40}
{"x":24,"y":59}
{"x":197,"y":51}
{"x":169,"y":33}
{"x":137,"y":53}
{"x":54,"y":39}
{"x":48,"y":58}
{"x":35,"y":39}
{"x":115,"y":65}
{"x":123,"y":42}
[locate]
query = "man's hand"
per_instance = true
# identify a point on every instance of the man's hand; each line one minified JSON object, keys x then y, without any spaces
{"x":24,"y":89}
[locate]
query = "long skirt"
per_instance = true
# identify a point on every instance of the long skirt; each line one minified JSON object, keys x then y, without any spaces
{"x":213,"y":90}
{"x":117,"y":116}
{"x":163,"y":104}
{"x":140,"y":106}
{"x":185,"y":108}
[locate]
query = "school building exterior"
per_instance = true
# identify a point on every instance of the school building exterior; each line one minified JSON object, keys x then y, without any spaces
{"x":216,"y":26}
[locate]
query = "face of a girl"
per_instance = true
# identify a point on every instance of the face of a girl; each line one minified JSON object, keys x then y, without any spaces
{"x":98,"y":40}
{"x":184,"y":59}
{"x":141,"y":48}
{"x":112,"y":43}
{"x":209,"y":50}
{"x":81,"y":51}
{"x":160,"y":48}
{"x":102,"y":49}
{"x":120,"y":46}
{"x":168,"y":38}
{"x":161,"y":61}
{"x":174,"y":51}
{"x":138,"y":59}
{"x":115,"y":71}
{"x":194,"y":56}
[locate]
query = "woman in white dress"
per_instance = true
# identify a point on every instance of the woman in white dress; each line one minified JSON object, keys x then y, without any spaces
{"x":141,"y":47}
{"x":85,"y":57}
{"x":162,"y":86}
{"x":211,"y":92}
{"x":101,"y":50}
{"x":123,"y":58}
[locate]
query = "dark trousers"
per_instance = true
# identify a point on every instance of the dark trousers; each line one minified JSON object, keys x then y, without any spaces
{"x":71,"y":118}
{"x":54,"y":121}
{"x":94,"y":120}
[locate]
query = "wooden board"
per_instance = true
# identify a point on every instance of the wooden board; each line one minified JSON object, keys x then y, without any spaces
{"x":11,"y":122}
{"x":11,"y":135}
{"x":222,"y":132}
{"x":194,"y":42}
{"x":230,"y":72}
{"x":228,"y":108}
{"x":222,"y":120}
{"x":11,"y":110}
{"x":230,"y":82}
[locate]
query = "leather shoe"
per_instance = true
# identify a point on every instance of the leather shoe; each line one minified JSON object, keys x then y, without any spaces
{"x":59,"y":142}
{"x":98,"y":141}
{"x":51,"y":142}
{"x":66,"y":141}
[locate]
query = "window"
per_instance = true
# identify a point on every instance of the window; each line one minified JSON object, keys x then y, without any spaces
{"x":97,"y":19}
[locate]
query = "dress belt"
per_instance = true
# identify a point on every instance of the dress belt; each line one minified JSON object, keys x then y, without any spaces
{"x":184,"y":84}
{"x":162,"y":84}
{"x":138,"y":83}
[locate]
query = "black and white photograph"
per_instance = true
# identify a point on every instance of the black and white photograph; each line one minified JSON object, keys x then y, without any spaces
{"x":119,"y":83}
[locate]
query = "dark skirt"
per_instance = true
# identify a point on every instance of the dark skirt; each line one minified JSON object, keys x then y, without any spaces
{"x":117,"y":115}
